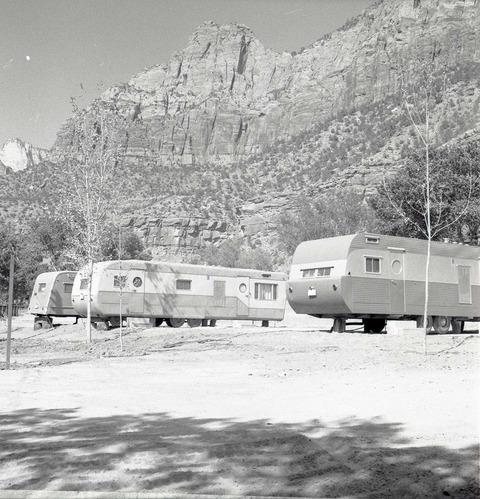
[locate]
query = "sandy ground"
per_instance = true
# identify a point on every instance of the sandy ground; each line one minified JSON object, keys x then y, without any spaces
{"x":289,"y":410}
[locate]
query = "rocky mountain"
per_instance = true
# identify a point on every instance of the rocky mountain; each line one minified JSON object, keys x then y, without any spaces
{"x":226,"y":96}
{"x":18,"y":155}
{"x":223,"y":136}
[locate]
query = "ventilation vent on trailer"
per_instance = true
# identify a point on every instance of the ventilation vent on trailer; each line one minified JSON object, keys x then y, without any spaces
{"x":372,"y":240}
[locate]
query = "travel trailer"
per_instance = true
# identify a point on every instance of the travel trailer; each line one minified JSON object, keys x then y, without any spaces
{"x":374,"y":278}
{"x":179,"y":293}
{"x":51,"y":297}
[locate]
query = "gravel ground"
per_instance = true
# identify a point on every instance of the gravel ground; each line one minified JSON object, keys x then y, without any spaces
{"x":290,"y":410}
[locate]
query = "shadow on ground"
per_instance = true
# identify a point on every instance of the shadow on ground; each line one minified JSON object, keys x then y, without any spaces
{"x":58,"y":449}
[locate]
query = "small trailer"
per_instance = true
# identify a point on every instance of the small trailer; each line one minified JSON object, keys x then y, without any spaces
{"x":52,"y":297}
{"x":372,"y":278}
{"x":179,"y":293}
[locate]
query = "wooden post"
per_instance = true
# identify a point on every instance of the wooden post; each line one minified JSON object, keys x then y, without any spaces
{"x":10,"y":308}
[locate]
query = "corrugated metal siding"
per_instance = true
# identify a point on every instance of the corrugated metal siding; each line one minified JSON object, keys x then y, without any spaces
{"x":370,"y":295}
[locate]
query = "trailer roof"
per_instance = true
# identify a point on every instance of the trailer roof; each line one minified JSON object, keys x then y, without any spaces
{"x":338,"y":248}
{"x":318,"y":250}
{"x":149,"y":266}
{"x":412,"y":245}
{"x":53,"y":274}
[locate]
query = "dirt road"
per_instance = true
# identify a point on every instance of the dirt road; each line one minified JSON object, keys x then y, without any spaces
{"x":290,"y":410}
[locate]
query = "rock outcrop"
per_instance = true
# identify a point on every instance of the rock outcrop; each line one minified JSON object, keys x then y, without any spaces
{"x":227,"y":132}
{"x":226,"y":96}
{"x":19,"y":155}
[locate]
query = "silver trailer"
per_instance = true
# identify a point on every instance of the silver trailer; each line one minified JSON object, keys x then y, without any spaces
{"x":52,"y":297}
{"x":179,"y":293}
{"x":372,"y":278}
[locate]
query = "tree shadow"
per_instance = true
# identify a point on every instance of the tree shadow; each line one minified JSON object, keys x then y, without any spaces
{"x":60,"y":450}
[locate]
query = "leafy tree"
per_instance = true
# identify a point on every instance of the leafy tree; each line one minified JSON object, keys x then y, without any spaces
{"x":123,"y":244}
{"x":52,"y":235}
{"x":255,"y":258}
{"x":334,"y":214}
{"x":454,"y":196}
{"x":232,"y":253}
{"x":224,"y":255}
{"x":28,"y":260}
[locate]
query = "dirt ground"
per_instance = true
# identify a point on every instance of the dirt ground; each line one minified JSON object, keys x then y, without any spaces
{"x":240,"y":410}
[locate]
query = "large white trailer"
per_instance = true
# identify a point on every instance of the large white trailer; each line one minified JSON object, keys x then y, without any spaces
{"x":375,"y":277}
{"x":179,"y":293}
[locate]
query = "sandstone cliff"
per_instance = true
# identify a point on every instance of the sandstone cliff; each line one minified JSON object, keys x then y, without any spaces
{"x":19,"y":155}
{"x":226,"y":96}
{"x":225,"y":134}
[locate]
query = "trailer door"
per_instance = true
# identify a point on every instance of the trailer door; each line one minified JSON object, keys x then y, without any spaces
{"x":397,"y":281}
{"x":243,"y":296}
{"x":137,"y":295}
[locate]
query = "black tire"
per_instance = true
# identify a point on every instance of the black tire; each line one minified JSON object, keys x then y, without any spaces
{"x":158,"y":321}
{"x":37,"y":325}
{"x":374,"y":326}
{"x":429,"y":323}
{"x":457,"y":326}
{"x":100,"y":325}
{"x":174,"y":322}
{"x":213,"y":322}
{"x":194,"y":322}
{"x":114,"y":322}
{"x":441,"y":324}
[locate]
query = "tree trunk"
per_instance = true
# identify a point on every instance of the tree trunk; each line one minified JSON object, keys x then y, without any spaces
{"x":89,"y":302}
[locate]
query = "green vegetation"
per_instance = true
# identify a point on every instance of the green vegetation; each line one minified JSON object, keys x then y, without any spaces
{"x":454,"y":194}
{"x":334,"y":214}
{"x":234,"y":253}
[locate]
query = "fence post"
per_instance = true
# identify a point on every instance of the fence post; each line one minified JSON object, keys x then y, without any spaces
{"x":10,"y":308}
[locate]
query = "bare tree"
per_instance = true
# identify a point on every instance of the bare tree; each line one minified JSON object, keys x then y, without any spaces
{"x":98,"y":142}
{"x":424,"y":100}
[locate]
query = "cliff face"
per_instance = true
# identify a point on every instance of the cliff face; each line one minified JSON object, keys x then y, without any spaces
{"x":227,"y":96}
{"x":19,"y":155}
{"x":277,"y":125}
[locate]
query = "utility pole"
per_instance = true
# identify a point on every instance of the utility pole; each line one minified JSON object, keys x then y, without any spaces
{"x":121,"y":284}
{"x":10,"y":307}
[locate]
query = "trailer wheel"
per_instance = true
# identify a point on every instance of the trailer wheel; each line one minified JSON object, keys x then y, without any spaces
{"x":441,"y":324}
{"x":114,"y":322}
{"x":374,"y":326}
{"x":158,"y":321}
{"x":457,"y":326}
{"x":175,"y":322}
{"x":194,"y":322}
{"x":37,"y":325}
{"x":429,"y":323}
{"x":100,"y":325}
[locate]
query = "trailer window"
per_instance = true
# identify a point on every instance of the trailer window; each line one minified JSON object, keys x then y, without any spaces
{"x":372,"y":265}
{"x":184,"y":284}
{"x":119,"y":281}
{"x":319,"y":272}
{"x":83,"y":283}
{"x":42,"y":286}
{"x":67,"y":287}
{"x":265,"y":291}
